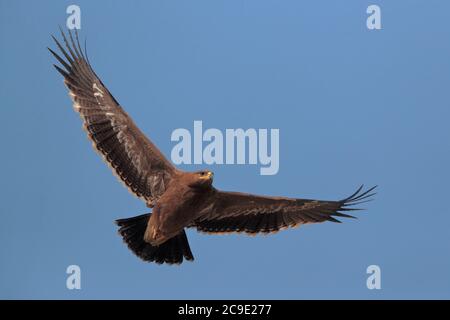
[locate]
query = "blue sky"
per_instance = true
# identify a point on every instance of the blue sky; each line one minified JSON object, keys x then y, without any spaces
{"x":353,"y":106}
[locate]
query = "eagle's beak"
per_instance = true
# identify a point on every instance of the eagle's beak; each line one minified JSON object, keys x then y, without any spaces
{"x":210,"y":175}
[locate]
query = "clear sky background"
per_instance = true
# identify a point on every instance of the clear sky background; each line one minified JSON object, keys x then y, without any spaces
{"x":353,"y":106}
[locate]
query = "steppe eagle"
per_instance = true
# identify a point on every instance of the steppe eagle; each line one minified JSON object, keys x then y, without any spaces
{"x":178,"y":199}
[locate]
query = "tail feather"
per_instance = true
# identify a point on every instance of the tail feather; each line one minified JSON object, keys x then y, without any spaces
{"x":172,"y":251}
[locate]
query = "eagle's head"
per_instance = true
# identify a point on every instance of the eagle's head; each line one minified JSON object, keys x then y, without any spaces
{"x":202,"y":178}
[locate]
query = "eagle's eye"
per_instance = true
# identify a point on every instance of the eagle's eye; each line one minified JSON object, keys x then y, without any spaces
{"x":205,"y":174}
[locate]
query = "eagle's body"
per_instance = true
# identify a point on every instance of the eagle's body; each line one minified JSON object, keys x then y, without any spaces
{"x":179,"y":206}
{"x":178,"y":199}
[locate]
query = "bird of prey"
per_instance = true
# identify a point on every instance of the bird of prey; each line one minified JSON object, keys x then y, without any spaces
{"x":178,"y":199}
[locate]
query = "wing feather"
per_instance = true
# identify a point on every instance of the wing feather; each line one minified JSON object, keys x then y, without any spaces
{"x":239,"y":212}
{"x":132,"y":156}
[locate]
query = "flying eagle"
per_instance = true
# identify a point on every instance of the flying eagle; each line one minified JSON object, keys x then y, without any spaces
{"x":178,"y":199}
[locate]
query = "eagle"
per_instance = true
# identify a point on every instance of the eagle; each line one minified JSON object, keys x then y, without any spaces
{"x":177,"y":199}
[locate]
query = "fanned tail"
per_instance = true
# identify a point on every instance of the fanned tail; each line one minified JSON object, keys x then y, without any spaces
{"x":172,"y":251}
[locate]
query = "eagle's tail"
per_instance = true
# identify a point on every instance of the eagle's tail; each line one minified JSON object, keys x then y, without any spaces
{"x":172,"y":251}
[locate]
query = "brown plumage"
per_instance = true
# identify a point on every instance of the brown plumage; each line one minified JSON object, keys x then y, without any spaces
{"x":179,"y":199}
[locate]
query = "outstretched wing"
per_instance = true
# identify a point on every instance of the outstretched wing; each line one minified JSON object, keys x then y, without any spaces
{"x":238,"y":212}
{"x":133,"y":157}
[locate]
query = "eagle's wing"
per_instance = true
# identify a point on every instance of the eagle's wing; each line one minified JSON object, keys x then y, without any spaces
{"x":133,"y":157}
{"x":238,"y":212}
